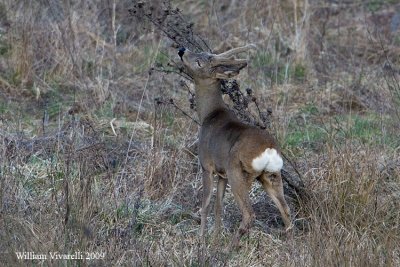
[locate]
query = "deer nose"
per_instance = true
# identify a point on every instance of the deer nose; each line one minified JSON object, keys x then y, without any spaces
{"x":181,"y":51}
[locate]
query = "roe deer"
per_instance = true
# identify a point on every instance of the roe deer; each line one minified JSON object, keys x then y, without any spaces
{"x":238,"y":153}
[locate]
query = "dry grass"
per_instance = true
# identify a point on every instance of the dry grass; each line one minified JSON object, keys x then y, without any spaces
{"x":89,"y":163}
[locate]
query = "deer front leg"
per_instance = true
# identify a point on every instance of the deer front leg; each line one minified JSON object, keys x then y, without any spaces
{"x":240,"y":189}
{"x":221,"y":187}
{"x":272,"y":184}
{"x":207,"y":191}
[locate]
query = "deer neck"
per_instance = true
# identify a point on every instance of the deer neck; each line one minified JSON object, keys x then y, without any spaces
{"x":209,"y":98}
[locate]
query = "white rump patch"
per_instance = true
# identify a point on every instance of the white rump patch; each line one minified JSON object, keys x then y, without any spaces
{"x":269,"y":161}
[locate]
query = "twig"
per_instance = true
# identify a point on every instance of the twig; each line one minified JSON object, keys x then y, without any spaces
{"x":159,"y":101}
{"x":171,"y":23}
{"x":299,"y":186}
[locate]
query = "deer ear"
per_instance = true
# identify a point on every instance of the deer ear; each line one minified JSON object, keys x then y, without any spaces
{"x":229,"y":70}
{"x":226,"y":74}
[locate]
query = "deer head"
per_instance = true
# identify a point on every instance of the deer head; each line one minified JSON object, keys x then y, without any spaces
{"x":204,"y":66}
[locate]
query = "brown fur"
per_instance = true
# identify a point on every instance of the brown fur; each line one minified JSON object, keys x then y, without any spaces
{"x":227,"y":146}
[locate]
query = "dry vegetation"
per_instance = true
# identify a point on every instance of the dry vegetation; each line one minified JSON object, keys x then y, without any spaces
{"x":90,"y":162}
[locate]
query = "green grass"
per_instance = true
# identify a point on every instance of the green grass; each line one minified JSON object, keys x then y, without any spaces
{"x":4,"y":106}
{"x":262,"y":59}
{"x":4,"y":49}
{"x":144,"y":61}
{"x":161,"y":59}
{"x":375,"y":5}
{"x":365,"y":129}
{"x":311,"y":134}
{"x":133,"y":196}
{"x":309,"y":109}
{"x":106,"y":110}
{"x":300,"y":72}
{"x":396,"y":40}
{"x":279,"y":70}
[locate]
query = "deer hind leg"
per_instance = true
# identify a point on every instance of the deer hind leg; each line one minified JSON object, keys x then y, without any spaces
{"x":207,"y":191}
{"x":272,"y":184}
{"x":240,"y":189}
{"x":221,"y":187}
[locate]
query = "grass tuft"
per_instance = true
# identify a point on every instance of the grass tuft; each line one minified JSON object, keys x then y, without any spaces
{"x":89,"y":162}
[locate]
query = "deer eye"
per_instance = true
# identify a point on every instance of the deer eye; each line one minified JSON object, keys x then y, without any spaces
{"x":198,"y":63}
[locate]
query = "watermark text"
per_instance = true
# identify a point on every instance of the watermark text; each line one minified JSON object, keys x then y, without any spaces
{"x":54,"y":255}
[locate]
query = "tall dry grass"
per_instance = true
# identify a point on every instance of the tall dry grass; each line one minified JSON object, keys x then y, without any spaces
{"x":89,"y":163}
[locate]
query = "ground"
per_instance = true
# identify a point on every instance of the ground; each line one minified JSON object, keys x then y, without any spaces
{"x":99,"y":136}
